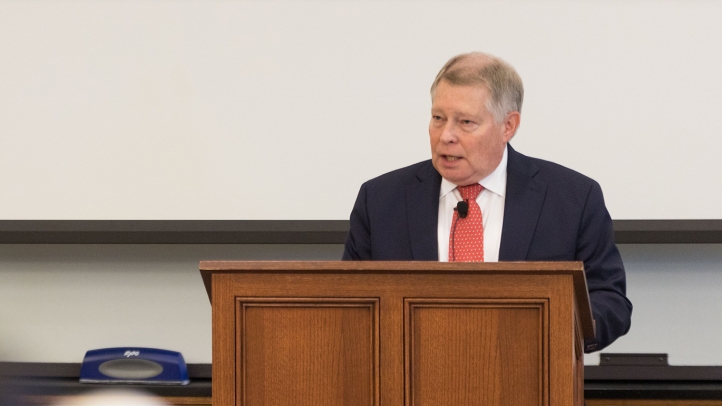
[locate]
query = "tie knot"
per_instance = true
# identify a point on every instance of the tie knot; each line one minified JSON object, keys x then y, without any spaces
{"x":470,"y":192}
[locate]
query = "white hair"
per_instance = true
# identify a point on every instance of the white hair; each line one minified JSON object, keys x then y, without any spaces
{"x":504,"y":84}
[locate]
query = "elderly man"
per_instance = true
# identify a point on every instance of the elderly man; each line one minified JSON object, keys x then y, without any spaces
{"x":478,"y":199}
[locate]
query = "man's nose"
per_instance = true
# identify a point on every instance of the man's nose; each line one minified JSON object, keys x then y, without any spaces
{"x":448,"y":134}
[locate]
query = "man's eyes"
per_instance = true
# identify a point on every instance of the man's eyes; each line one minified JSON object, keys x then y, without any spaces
{"x":461,"y":122}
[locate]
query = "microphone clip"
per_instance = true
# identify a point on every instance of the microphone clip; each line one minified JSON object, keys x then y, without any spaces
{"x":462,"y":208}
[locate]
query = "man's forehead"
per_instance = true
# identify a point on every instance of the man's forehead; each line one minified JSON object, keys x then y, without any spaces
{"x":448,"y":90}
{"x":463,"y":79}
{"x":460,"y":99}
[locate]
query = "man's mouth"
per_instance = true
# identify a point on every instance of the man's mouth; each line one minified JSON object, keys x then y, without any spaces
{"x":451,"y":158}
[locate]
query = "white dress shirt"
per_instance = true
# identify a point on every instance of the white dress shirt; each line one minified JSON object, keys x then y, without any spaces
{"x":491,"y":201}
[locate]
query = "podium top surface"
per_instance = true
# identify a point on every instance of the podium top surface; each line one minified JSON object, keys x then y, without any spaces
{"x":530,"y":268}
{"x":390,"y":266}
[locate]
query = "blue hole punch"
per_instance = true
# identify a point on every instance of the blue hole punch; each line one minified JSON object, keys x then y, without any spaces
{"x":134,"y":365}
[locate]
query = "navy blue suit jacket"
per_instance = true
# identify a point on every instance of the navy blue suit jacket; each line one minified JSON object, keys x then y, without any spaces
{"x":551,"y":213}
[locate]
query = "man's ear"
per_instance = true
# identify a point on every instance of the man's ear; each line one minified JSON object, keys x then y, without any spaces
{"x":511,"y":124}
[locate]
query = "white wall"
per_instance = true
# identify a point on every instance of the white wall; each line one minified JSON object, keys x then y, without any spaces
{"x":675,"y":290}
{"x":217,"y":109}
{"x":58,"y":301}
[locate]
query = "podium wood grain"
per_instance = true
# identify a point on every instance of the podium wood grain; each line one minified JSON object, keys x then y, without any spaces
{"x":397,"y":333}
{"x":308,"y":351}
{"x":486,"y":352}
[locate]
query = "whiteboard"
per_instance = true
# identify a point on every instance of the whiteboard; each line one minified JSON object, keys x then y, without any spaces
{"x":136,"y":110}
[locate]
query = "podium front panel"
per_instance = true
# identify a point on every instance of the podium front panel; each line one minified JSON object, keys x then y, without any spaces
{"x":307,"y":351}
{"x":476,"y":352}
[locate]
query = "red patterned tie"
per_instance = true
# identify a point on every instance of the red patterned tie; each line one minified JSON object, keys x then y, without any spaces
{"x":466,"y":240}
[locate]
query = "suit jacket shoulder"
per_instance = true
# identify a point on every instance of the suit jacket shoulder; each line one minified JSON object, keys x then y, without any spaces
{"x":543,"y":208}
{"x":402,"y":177}
{"x":553,"y":174}
{"x":395,"y":216}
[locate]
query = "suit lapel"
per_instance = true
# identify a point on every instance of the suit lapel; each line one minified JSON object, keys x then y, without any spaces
{"x":524,"y":200}
{"x":422,"y":209}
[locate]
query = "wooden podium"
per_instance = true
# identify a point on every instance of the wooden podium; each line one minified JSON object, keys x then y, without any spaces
{"x":398,"y":333}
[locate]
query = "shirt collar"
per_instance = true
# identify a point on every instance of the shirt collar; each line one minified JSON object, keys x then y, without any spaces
{"x":495,"y":182}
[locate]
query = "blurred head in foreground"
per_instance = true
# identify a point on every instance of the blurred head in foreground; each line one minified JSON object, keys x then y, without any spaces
{"x":114,"y":397}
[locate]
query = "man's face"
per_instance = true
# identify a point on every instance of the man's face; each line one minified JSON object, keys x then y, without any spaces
{"x":467,"y":144}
